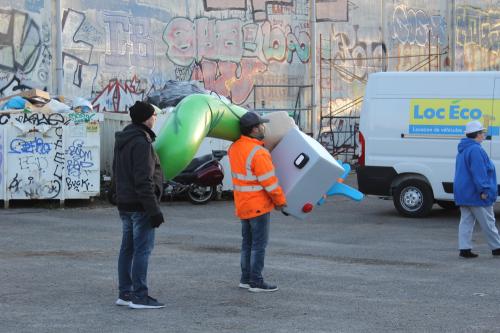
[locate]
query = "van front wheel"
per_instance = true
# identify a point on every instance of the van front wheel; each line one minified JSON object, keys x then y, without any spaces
{"x":413,"y":198}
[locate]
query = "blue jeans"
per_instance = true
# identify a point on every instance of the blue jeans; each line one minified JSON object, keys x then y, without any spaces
{"x":137,"y":244}
{"x":255,"y":233}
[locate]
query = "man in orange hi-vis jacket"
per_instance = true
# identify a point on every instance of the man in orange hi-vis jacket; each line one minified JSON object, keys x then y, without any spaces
{"x":256,"y":194}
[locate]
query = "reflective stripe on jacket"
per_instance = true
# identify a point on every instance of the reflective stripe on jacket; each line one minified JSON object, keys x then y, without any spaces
{"x":256,"y":187}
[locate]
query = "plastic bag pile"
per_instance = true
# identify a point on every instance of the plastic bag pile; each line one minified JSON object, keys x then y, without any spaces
{"x":40,"y":101}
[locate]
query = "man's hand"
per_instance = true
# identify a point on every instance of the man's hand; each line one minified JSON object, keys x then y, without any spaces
{"x":484,"y":196}
{"x":280,"y":207}
{"x":157,"y":220}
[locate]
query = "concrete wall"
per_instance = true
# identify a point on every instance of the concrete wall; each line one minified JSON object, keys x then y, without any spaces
{"x":116,"y":54}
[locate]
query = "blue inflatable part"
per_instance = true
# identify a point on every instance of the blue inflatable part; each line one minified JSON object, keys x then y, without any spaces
{"x":340,"y":188}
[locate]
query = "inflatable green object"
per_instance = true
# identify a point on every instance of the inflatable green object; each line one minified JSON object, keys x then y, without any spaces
{"x":194,"y":118}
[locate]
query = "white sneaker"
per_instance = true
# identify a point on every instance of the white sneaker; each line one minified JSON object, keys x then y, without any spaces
{"x":121,"y":302}
{"x":244,"y":285}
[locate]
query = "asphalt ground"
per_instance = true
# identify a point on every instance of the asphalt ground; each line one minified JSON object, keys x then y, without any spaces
{"x":350,"y":267}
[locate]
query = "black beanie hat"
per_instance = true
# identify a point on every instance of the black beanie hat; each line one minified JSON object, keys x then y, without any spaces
{"x":141,"y":111}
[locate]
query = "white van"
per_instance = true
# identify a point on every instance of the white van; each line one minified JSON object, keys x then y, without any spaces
{"x":410,"y":127}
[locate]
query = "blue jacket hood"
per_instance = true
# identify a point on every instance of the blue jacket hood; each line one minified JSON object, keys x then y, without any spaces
{"x":467,"y":143}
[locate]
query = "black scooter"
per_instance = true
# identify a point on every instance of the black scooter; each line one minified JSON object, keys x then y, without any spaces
{"x":199,"y":181}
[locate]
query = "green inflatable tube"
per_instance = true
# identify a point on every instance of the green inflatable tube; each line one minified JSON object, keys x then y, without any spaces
{"x":194,"y":118}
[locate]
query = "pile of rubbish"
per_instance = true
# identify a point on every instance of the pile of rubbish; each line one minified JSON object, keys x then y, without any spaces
{"x":35,"y":100}
{"x":174,"y":91}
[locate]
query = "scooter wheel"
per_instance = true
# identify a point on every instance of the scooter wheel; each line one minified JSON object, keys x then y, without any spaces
{"x":200,"y":195}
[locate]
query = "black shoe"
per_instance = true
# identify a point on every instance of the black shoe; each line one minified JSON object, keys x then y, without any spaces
{"x":469,"y":254}
{"x":262,"y":287}
{"x":147,"y":302}
{"x":495,"y":252}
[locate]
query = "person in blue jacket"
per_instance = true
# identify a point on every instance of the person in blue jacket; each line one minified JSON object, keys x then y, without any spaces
{"x":475,"y":191}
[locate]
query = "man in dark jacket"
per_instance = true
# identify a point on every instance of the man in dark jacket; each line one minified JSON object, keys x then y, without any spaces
{"x":139,"y":184}
{"x":475,"y":191}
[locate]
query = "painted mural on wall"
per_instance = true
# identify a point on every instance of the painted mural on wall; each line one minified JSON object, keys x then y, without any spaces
{"x":417,"y":31}
{"x":108,"y":57}
{"x":227,"y":55}
{"x":230,"y":55}
{"x":478,"y":38}
{"x":116,"y":57}
{"x":25,"y":46}
{"x":117,"y":52}
{"x":353,"y":49}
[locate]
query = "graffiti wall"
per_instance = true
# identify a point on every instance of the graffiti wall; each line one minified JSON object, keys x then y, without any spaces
{"x":477,"y":36}
{"x":116,"y":54}
{"x":377,"y":36}
{"x":418,"y":29}
{"x":255,"y":52}
{"x":25,"y":46}
{"x":50,"y":156}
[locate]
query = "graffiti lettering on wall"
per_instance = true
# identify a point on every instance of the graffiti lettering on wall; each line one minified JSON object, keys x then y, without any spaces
{"x":59,"y":155}
{"x":46,"y":57}
{"x":231,"y":39}
{"x":79,"y":158}
{"x":20,"y":41}
{"x":332,"y":10}
{"x":22,"y":44}
{"x":478,"y":38}
{"x":78,"y":185}
{"x":33,"y":163}
{"x":410,"y":30}
{"x":79,"y":73}
{"x":79,"y":117}
{"x":183,"y":73}
{"x":34,"y":146}
{"x":4,"y":119}
{"x":17,"y":82}
{"x":228,"y":54}
{"x":259,"y":7}
{"x":228,"y":78}
{"x":124,"y":31}
{"x":33,"y":188}
{"x":118,"y":96}
{"x":32,"y":179}
{"x":41,"y":166}
{"x":41,"y":119}
{"x":354,"y":59}
{"x":412,"y":26}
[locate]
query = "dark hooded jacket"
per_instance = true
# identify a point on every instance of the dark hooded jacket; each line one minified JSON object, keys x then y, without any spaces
{"x":136,"y":168}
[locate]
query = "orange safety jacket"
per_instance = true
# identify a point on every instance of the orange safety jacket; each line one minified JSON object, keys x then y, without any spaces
{"x":256,"y":188}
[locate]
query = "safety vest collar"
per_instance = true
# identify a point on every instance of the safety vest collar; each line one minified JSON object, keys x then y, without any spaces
{"x":250,"y":139}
